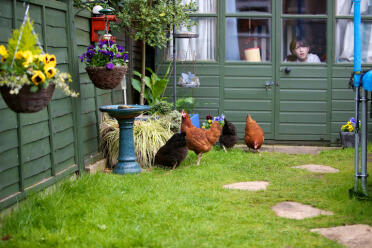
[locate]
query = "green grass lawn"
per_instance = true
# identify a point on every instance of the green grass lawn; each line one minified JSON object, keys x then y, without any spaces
{"x":189,"y":208}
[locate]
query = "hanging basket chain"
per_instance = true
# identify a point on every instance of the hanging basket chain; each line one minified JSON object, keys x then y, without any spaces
{"x":25,"y":18}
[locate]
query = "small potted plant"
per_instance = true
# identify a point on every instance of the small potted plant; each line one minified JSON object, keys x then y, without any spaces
{"x":347,"y":133}
{"x":106,"y":64}
{"x":27,"y":76}
{"x":209,"y":120}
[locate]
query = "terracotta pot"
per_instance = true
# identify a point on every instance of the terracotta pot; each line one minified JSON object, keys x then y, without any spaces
{"x":26,"y":101}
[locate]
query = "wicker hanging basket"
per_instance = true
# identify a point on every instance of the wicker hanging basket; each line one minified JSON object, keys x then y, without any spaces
{"x":26,"y":101}
{"x":106,"y":79}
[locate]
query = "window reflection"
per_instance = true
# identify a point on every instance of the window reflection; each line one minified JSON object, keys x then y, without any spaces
{"x":248,"y":39}
{"x":345,"y":41}
{"x":252,"y":6}
{"x":310,"y":34}
{"x":313,"y":7}
{"x":202,"y":48}
{"x":346,"y":7}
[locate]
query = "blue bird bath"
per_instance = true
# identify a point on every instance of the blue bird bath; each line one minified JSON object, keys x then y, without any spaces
{"x":125,"y":115}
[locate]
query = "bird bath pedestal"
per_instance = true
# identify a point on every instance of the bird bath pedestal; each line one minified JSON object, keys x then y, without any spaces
{"x":125,"y":115}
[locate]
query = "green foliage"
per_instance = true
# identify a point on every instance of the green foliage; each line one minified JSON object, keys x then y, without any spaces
{"x":161,"y":108}
{"x":152,"y":21}
{"x":155,"y":85}
{"x":28,"y":40}
{"x":185,"y":103}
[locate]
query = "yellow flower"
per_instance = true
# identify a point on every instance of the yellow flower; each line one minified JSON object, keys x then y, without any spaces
{"x":49,"y":71}
{"x":19,"y":55}
{"x":203,"y":126}
{"x":50,"y":60}
{"x":3,"y":59}
{"x":209,"y":121}
{"x":25,"y":64}
{"x":3,"y":52}
{"x":162,"y":14}
{"x":38,"y":77}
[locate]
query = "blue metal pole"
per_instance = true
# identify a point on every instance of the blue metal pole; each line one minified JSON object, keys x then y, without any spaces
{"x":357,"y":71}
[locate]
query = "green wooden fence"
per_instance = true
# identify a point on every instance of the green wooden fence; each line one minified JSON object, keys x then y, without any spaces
{"x":37,"y":150}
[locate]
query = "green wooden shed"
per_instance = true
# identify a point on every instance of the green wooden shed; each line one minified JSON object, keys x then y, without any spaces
{"x":242,"y":60}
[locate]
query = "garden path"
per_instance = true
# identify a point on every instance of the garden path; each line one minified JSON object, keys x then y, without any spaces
{"x":352,"y":236}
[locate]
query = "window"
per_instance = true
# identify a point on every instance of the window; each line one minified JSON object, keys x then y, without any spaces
{"x":311,"y":34}
{"x":345,"y":31}
{"x":248,"y":34}
{"x":203,"y":48}
{"x":304,"y":29}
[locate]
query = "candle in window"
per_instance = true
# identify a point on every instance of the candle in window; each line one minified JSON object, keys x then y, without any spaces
{"x":252,"y":54}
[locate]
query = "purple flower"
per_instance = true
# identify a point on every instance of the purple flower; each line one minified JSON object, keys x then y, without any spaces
{"x":82,"y":57}
{"x":125,"y":57}
{"x":352,"y":120}
{"x":90,"y":47}
{"x":118,"y":56}
{"x":110,"y":66}
{"x":120,"y":48}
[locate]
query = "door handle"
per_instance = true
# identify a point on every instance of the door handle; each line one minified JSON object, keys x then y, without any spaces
{"x":268,"y":84}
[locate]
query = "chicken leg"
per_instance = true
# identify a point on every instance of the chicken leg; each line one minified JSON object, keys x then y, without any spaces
{"x":199,"y":157}
{"x":174,"y":166}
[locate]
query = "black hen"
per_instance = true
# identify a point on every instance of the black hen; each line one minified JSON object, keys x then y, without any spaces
{"x":173,"y":152}
{"x":228,"y":137}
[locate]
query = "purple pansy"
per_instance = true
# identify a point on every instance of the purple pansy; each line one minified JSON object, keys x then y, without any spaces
{"x":110,"y":66}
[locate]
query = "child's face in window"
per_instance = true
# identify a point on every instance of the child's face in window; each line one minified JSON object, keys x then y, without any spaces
{"x":301,"y":51}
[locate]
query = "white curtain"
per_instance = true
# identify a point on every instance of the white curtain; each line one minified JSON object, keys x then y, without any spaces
{"x":202,"y":48}
{"x":232,"y":45}
{"x":345,"y":32}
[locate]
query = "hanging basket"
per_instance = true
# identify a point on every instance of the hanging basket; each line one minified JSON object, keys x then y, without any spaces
{"x":106,"y":79}
{"x":26,"y":101}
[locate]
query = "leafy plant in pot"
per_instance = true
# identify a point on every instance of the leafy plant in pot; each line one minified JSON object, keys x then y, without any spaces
{"x":27,"y":76}
{"x":106,"y":64}
{"x":347,"y":133}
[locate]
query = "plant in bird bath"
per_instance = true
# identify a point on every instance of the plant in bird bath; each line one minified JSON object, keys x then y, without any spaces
{"x":151,"y":22}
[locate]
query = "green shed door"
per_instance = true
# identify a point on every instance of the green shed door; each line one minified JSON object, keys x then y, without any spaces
{"x":301,"y":92}
{"x":248,"y":68}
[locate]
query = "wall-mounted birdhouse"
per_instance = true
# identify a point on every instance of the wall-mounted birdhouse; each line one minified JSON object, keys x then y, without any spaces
{"x":99,"y":24}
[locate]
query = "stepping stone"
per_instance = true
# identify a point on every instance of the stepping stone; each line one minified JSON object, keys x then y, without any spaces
{"x":317,"y":168}
{"x":353,"y":236}
{"x":298,"y":211}
{"x":250,"y":186}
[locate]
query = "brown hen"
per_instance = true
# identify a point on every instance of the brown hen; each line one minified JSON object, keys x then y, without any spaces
{"x":254,"y":136}
{"x":199,"y":140}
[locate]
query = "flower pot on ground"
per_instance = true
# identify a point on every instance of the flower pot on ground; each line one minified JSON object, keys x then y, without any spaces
{"x":106,"y":64}
{"x":348,"y":139}
{"x":347,"y":134}
{"x":28,"y":77}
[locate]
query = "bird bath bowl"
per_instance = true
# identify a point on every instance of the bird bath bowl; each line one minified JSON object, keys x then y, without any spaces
{"x":125,"y":115}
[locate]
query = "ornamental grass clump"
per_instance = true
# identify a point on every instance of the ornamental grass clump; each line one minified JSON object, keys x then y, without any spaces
{"x":148,"y":136}
{"x":24,"y":63}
